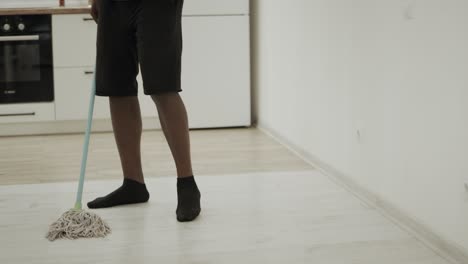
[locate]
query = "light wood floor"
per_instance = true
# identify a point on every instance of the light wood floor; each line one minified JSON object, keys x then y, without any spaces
{"x":253,"y":218}
{"x":41,"y":159}
{"x":261,"y":204}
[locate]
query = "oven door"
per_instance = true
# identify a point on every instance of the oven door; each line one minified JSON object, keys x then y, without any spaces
{"x":26,"y":72}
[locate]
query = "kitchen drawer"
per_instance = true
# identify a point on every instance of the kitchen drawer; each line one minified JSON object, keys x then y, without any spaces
{"x":19,"y":113}
{"x":74,"y":40}
{"x":72,"y":91}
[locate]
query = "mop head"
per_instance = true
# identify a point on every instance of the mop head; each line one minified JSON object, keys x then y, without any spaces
{"x":78,"y":224}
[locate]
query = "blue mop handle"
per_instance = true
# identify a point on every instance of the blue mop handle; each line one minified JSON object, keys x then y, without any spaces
{"x":84,"y":158}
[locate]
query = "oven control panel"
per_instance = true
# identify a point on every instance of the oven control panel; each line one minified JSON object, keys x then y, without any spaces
{"x":12,"y":25}
{"x":6,"y":27}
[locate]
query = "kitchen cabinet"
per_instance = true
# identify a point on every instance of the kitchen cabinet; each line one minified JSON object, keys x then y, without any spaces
{"x":74,"y":39}
{"x":216,"y":7}
{"x":215,"y":70}
{"x":21,"y":113}
{"x":72,"y":99}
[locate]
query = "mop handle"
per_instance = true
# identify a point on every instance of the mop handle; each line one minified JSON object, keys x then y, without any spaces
{"x":84,"y":158}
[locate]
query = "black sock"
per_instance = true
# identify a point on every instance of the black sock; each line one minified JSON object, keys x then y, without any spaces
{"x":130,"y":192}
{"x":188,"y":196}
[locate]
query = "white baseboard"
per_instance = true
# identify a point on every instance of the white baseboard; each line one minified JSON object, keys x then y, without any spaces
{"x":445,"y":248}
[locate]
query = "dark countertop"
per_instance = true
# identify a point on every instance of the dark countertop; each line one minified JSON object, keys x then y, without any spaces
{"x":45,"y":10}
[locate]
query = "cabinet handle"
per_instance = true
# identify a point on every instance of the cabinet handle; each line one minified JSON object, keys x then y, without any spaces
{"x":19,"y":38}
{"x":89,"y":72}
{"x":18,"y":114}
{"x":88,"y":19}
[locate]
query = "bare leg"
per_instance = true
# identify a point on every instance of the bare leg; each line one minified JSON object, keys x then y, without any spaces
{"x":126,"y":121}
{"x":174,"y":123}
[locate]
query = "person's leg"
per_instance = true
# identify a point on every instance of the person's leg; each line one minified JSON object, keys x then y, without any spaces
{"x":116,"y":71}
{"x":159,"y":42}
{"x":127,"y":125}
{"x":126,"y":121}
{"x":174,"y":123}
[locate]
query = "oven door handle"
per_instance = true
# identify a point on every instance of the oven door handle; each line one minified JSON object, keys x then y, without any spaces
{"x":19,"y":38}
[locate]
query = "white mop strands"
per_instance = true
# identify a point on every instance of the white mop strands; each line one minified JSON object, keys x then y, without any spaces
{"x":77,"y":223}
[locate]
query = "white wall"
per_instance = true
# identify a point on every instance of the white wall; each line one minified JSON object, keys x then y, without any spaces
{"x":397,"y":71}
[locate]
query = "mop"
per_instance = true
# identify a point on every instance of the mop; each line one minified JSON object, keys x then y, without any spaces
{"x":78,"y":223}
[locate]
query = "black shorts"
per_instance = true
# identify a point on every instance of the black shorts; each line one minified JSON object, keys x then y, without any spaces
{"x":139,"y":32}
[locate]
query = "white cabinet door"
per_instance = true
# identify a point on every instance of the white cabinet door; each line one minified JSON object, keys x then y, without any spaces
{"x":215,"y":74}
{"x":74,"y":40}
{"x":216,"y":7}
{"x":72,"y":91}
{"x":31,"y":112}
{"x":216,"y":71}
{"x":72,"y":96}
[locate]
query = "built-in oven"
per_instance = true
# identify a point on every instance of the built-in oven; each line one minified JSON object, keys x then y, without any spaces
{"x":26,"y":63}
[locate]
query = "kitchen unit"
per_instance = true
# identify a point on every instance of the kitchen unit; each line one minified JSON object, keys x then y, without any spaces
{"x":26,"y":72}
{"x":215,"y":72}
